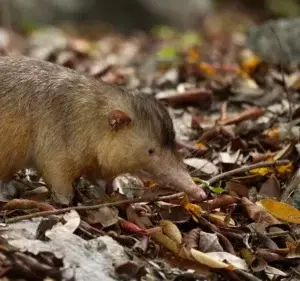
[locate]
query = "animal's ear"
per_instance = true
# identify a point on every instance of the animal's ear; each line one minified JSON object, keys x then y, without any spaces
{"x":117,"y":119}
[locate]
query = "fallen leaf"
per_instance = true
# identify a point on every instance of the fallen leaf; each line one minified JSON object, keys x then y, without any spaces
{"x":227,"y":157}
{"x":209,"y":242}
{"x":257,"y":213}
{"x":251,"y":113}
{"x":221,"y":201}
{"x":238,"y":188}
{"x":202,"y":165}
{"x":25,"y":204}
{"x":205,"y":259}
{"x":237,"y":262}
{"x":271,"y":188}
{"x":165,"y":241}
{"x":131,"y":227}
{"x":264,"y":171}
{"x":284,"y":170}
{"x":193,"y":96}
{"x":281,"y":210}
{"x":171,"y":230}
{"x":106,"y":216}
{"x":273,"y":272}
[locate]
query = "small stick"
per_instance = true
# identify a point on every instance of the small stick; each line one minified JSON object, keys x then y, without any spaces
{"x":244,"y":169}
{"x":147,"y":198}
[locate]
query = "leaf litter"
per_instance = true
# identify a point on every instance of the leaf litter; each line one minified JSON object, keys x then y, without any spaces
{"x":230,"y":108}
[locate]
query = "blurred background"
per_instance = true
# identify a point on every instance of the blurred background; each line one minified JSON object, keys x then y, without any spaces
{"x":129,"y":15}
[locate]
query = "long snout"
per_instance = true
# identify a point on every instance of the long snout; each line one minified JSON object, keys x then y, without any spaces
{"x":182,"y":181}
{"x":171,"y":173}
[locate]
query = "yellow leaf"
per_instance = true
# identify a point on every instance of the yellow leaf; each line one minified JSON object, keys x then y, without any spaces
{"x":262,"y":171}
{"x":171,"y":230}
{"x":165,"y":241}
{"x":193,"y":55}
{"x":201,"y":145}
{"x":248,"y":61}
{"x":281,"y":210}
{"x":193,"y":210}
{"x":222,"y":218}
{"x":272,"y":134}
{"x":250,"y":64}
{"x":291,"y":245}
{"x":207,"y":69}
{"x":284,"y":170}
{"x":208,"y":261}
{"x":150,"y":184}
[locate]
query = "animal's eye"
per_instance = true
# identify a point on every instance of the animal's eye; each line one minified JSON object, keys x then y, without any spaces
{"x":151,"y":151}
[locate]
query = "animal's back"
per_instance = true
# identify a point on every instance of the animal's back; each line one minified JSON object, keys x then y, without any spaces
{"x":41,"y":111}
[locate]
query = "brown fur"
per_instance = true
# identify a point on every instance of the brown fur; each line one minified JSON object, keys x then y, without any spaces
{"x":55,"y":120}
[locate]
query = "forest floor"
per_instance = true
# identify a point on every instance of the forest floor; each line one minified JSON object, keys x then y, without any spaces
{"x":236,"y":117}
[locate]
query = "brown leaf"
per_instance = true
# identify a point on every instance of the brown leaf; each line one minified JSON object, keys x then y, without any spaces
{"x":221,"y":201}
{"x":257,"y":213}
{"x":131,"y":270}
{"x":193,"y":96}
{"x":239,"y":188}
{"x":191,"y":240}
{"x":248,"y":114}
{"x":25,"y":204}
{"x":209,"y":242}
{"x":106,"y":216}
{"x":258,"y":264}
{"x":268,"y":256}
{"x":266,"y":241}
{"x":271,"y":188}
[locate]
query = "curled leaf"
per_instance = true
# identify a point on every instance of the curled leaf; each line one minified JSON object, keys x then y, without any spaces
{"x":165,"y":241}
{"x":131,"y":227}
{"x":25,"y":204}
{"x":171,"y":230}
{"x":209,"y":261}
{"x":257,"y":213}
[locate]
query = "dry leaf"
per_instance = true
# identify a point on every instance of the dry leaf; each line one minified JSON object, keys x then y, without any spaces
{"x":281,"y":210}
{"x":171,"y":230}
{"x":165,"y":241}
{"x":202,"y":165}
{"x":270,"y":188}
{"x":209,"y":242}
{"x":237,"y":262}
{"x":25,"y":204}
{"x":262,"y":171}
{"x":257,"y":213}
{"x":221,"y":201}
{"x":209,"y":261}
{"x":194,"y":210}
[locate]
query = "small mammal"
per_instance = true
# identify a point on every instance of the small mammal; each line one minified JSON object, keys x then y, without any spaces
{"x":67,"y":125}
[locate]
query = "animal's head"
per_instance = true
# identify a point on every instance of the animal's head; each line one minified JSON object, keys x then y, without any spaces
{"x":141,"y":137}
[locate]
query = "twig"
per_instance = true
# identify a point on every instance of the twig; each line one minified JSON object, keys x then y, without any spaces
{"x":150,"y":197}
{"x":80,"y":208}
{"x":244,"y":169}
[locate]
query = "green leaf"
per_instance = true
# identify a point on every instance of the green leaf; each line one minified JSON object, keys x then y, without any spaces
{"x":217,"y":190}
{"x":163,"y":32}
{"x":167,"y":53}
{"x":190,"y":38}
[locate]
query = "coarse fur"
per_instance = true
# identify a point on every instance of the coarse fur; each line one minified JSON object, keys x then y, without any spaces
{"x":56,"y":120}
